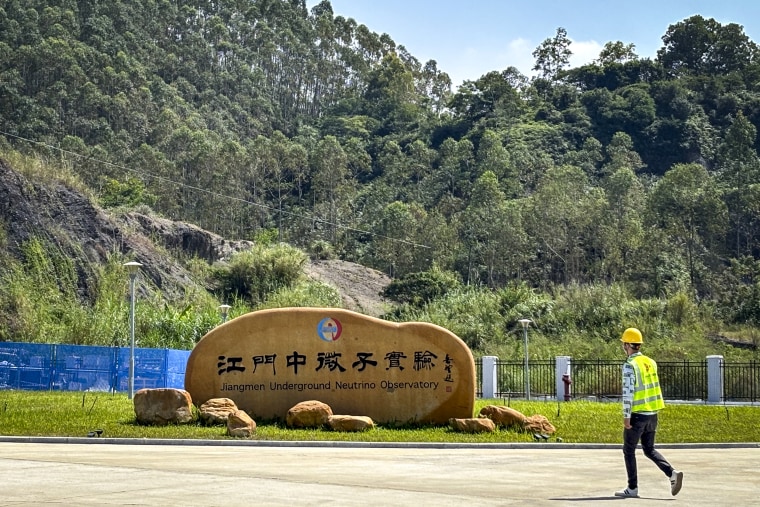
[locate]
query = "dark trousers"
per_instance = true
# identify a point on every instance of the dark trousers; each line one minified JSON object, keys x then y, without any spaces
{"x":643,"y":428}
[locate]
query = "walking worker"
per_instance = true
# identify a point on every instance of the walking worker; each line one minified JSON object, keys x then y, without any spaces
{"x":642,"y":400}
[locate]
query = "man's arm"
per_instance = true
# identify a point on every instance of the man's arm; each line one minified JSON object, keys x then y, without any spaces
{"x":629,"y":383}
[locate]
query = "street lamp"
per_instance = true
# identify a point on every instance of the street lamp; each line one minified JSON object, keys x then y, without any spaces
{"x":132,"y":268}
{"x":525,"y":323}
{"x":224,"y":310}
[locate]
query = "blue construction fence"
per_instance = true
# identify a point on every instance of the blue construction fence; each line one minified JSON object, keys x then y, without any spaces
{"x":35,"y":366}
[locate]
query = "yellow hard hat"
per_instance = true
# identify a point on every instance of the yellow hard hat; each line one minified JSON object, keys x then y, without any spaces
{"x":632,"y":335}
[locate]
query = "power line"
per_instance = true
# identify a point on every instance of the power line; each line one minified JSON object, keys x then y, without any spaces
{"x":313,"y":218}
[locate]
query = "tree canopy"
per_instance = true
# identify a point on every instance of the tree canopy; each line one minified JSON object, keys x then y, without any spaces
{"x":256,"y":115}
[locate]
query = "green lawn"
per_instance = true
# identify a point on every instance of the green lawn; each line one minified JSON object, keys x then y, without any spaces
{"x":71,"y":414}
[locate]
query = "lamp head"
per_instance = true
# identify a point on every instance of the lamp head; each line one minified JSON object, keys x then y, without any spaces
{"x":525,"y":322}
{"x":132,"y":267}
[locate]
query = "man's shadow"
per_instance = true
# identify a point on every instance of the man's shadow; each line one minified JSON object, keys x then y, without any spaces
{"x":610,"y":497}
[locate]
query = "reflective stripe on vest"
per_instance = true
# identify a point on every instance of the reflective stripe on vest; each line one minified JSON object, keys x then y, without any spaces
{"x":647,"y":395}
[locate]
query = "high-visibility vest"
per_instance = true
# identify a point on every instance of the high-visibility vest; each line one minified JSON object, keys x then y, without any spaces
{"x":647,"y":395}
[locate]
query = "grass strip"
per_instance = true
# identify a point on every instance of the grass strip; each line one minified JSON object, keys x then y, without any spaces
{"x":75,"y":414}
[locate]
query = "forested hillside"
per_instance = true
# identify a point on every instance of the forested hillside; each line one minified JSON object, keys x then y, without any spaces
{"x":260,"y":116}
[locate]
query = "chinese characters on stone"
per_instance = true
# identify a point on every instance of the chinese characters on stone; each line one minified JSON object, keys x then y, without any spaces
{"x":331,"y":361}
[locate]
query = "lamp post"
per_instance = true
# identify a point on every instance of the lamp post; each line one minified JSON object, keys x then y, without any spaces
{"x":525,"y":323}
{"x":224,"y":310}
{"x":132,"y":268}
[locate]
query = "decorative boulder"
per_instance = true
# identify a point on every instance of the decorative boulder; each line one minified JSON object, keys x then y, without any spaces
{"x":350,"y":422}
{"x":240,"y":424}
{"x":308,"y":414}
{"x":538,"y":424}
{"x":159,"y":407}
{"x":473,"y":425}
{"x":503,"y":416}
{"x":217,"y":410}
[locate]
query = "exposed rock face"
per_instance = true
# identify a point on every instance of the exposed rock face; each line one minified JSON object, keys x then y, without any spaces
{"x":503,"y":416}
{"x":187,"y":238}
{"x":159,"y":407}
{"x":240,"y":425}
{"x":88,"y":235}
{"x":217,"y":411}
{"x":80,"y":230}
{"x":308,"y":414}
{"x":350,"y":423}
{"x":473,"y":425}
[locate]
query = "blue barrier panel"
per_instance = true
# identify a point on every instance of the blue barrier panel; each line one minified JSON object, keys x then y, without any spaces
{"x":82,"y":368}
{"x":176,"y":362}
{"x":33,"y":366}
{"x":25,"y":365}
{"x":150,"y":369}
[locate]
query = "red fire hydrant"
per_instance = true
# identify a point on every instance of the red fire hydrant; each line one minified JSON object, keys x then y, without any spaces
{"x":566,"y":380}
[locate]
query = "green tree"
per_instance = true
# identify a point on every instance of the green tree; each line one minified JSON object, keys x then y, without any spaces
{"x":698,"y":45}
{"x":687,"y":205}
{"x":553,"y":55}
{"x":491,"y":233}
{"x":494,"y":96}
{"x":740,"y":166}
{"x":623,"y":234}
{"x":329,"y":170}
{"x":616,"y":52}
{"x":564,"y":220}
{"x":394,"y":234}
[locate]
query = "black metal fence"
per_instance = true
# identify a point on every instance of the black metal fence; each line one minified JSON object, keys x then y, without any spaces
{"x":596,"y":379}
{"x":741,"y":381}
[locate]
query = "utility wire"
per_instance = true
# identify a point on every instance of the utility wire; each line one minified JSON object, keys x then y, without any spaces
{"x":313,"y":218}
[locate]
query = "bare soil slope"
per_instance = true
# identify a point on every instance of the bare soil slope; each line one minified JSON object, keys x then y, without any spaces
{"x":359,"y":286}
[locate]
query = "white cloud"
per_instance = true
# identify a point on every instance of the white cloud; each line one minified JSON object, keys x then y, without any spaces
{"x":471,"y":63}
{"x":584,"y":52}
{"x":520,"y":55}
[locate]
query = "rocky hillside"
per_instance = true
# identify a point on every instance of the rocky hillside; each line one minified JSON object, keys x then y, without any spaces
{"x":67,"y":220}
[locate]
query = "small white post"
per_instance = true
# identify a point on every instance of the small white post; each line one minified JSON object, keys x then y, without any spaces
{"x":561,"y":367}
{"x":714,"y":379}
{"x":525,"y":323}
{"x":490,"y":378}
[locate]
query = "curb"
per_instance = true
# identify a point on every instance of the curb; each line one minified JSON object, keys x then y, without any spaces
{"x":358,"y":445}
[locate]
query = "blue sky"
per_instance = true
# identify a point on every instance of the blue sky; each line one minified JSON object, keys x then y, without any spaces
{"x":468,"y":38}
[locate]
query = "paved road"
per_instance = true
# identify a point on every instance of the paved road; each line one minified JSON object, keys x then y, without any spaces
{"x":101,"y":472}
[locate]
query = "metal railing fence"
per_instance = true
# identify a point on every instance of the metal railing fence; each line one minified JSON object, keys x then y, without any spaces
{"x":601,"y":380}
{"x":741,"y":381}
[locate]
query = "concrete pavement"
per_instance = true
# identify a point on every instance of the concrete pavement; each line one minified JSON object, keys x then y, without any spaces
{"x":76,"y":471}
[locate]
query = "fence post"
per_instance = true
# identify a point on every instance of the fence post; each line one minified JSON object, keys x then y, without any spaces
{"x":561,"y":365}
{"x":490,"y":380}
{"x":714,"y":379}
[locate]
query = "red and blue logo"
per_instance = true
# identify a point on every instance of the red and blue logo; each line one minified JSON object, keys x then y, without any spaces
{"x":329,"y":329}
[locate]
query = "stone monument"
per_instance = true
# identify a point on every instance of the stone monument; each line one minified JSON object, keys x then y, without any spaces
{"x":270,"y":360}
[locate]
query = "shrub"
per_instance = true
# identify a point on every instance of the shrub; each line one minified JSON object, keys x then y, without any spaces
{"x":255,"y":273}
{"x":322,"y":250}
{"x":417,"y":289}
{"x":313,"y":294}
